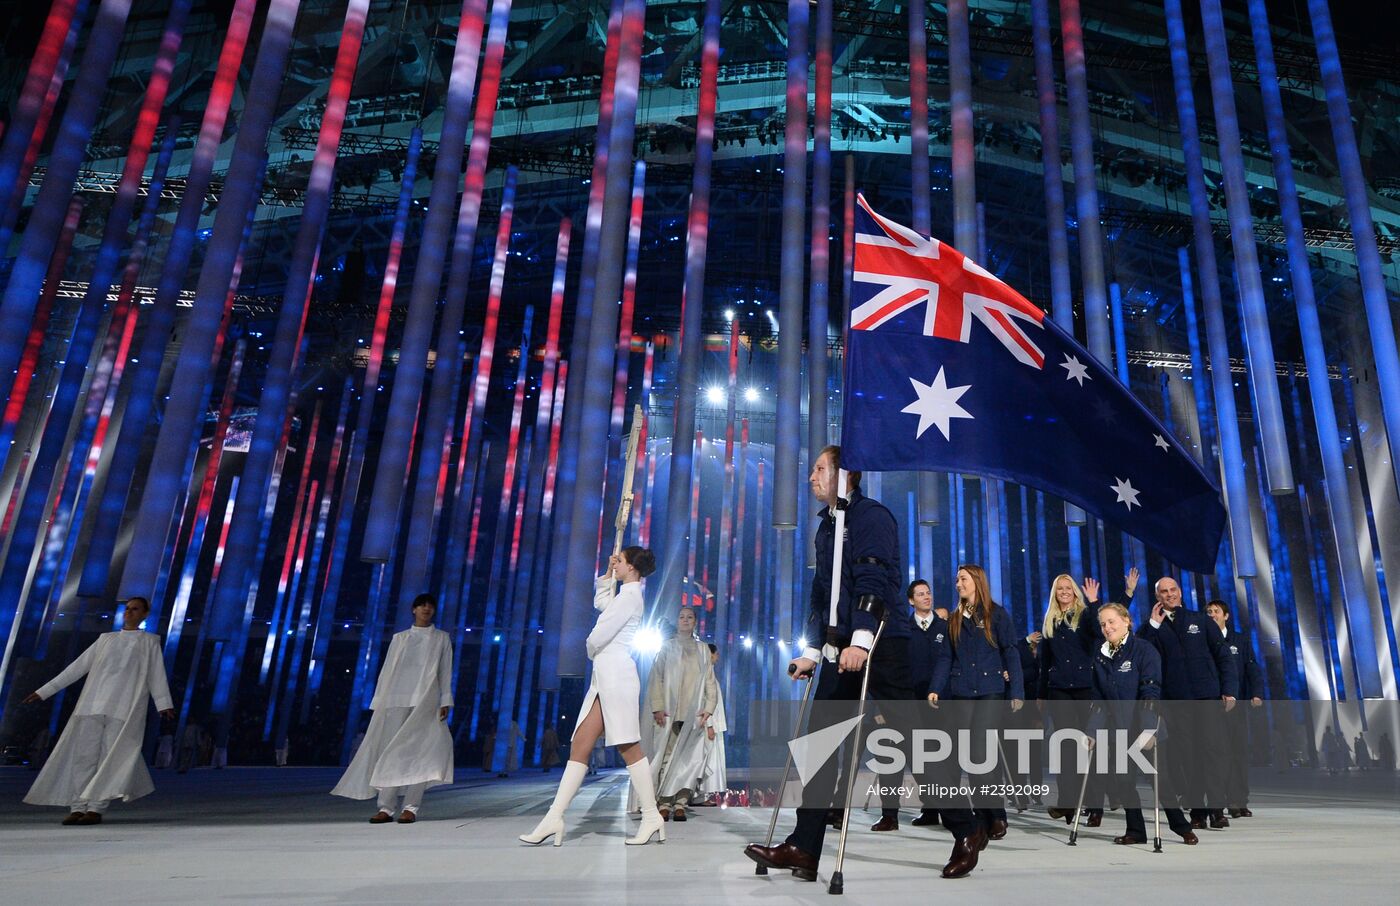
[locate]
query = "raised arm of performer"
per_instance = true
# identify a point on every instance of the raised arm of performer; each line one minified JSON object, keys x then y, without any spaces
{"x":610,"y":705}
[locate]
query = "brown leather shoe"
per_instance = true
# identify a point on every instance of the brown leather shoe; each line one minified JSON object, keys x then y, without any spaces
{"x":74,"y":818}
{"x":1218,"y":821}
{"x":1129,"y":840}
{"x":1093,"y":819}
{"x":1198,"y":824}
{"x":998,"y":830}
{"x":665,"y":814}
{"x":1241,"y":813}
{"x":381,"y":818}
{"x":802,"y":865}
{"x":90,"y":818}
{"x":1058,"y":813}
{"x":1189,"y":838}
{"x":965,"y":852}
{"x":886,"y":823}
{"x":407,"y":817}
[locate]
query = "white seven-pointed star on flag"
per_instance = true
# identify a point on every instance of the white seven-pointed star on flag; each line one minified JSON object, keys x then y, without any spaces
{"x":937,"y":404}
{"x":1078,"y":371}
{"x":1127,"y":494}
{"x":1160,"y":441}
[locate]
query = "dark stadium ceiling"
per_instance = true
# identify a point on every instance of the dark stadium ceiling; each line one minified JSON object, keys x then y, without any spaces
{"x":547,"y":116}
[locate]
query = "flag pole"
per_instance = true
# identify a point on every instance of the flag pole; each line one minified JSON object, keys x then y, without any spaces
{"x":831,"y":623}
{"x":624,"y":506}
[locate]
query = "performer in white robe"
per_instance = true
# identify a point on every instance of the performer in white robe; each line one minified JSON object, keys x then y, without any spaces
{"x":407,"y":748}
{"x":713,"y":771}
{"x":681,"y":695}
{"x":610,"y":705}
{"x":98,"y":757}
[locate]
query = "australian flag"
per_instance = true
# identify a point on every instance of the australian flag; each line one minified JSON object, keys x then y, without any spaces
{"x":949,"y":369}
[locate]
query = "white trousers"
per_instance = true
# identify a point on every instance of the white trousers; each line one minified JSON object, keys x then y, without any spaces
{"x":94,"y":736}
{"x":412,"y":797}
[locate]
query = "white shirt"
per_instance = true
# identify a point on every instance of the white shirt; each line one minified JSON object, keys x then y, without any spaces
{"x":924,"y":622}
{"x":112,"y":665}
{"x":403,"y":684}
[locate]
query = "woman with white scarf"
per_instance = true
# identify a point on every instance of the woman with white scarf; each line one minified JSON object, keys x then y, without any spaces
{"x":681,"y":695}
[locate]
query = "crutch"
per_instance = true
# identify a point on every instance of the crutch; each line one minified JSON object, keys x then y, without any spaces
{"x":1018,"y":800}
{"x":1083,"y":785}
{"x":838,"y":883}
{"x":787,"y":766}
{"x":1156,"y":796}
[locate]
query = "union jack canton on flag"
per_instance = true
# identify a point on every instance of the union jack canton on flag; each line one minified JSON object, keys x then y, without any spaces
{"x":949,"y":369}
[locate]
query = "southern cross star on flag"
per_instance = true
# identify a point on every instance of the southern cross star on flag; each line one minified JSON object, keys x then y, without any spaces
{"x":949,"y":369}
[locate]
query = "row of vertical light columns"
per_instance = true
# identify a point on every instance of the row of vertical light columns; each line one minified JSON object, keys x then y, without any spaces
{"x":382,"y":526}
{"x":926,"y":511}
{"x":141,"y":395}
{"x":1363,"y":230}
{"x":1339,"y":503}
{"x":1217,"y":344}
{"x":571,"y":438}
{"x":169,"y":468}
{"x":675,"y":533}
{"x":597,"y":360}
{"x":425,"y":504}
{"x":792,"y":276}
{"x":51,"y":206}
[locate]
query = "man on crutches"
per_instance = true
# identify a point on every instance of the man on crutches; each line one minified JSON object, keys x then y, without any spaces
{"x":858,"y":606}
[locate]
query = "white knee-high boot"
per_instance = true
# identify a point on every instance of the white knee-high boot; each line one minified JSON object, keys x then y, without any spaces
{"x":552,"y":824}
{"x":640,"y":773}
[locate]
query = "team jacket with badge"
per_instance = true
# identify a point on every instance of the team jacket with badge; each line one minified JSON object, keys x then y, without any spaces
{"x":869,"y":566}
{"x":975,"y":667}
{"x":1130,"y":674}
{"x":1195,"y":659}
{"x":1241,"y":650}
{"x":1066,"y":658}
{"x":924,"y":646}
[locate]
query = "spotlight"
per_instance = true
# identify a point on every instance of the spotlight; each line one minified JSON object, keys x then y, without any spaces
{"x":715,"y":395}
{"x":751,"y":395}
{"x":647,"y":641}
{"x":729,"y":314}
{"x":748,"y":643}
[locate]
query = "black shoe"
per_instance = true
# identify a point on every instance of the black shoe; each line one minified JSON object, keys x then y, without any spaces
{"x":802,"y":865}
{"x":927,"y":818}
{"x":1241,"y":813}
{"x":885,"y":824}
{"x":834,"y":817}
{"x":1058,"y":813}
{"x":966,"y":851}
{"x":1129,"y":839}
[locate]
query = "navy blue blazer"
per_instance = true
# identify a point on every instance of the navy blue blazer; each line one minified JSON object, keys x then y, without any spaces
{"x":869,"y":566}
{"x":924,"y":647}
{"x":1196,"y":661}
{"x":1133,"y":673}
{"x":1241,"y":648}
{"x":973,"y":667}
{"x":1066,"y":658}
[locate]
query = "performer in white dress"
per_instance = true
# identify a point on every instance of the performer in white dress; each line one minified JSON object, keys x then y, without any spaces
{"x":407,"y":748}
{"x":713,"y":771}
{"x":98,"y":757}
{"x":681,"y":696}
{"x":610,"y":706}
